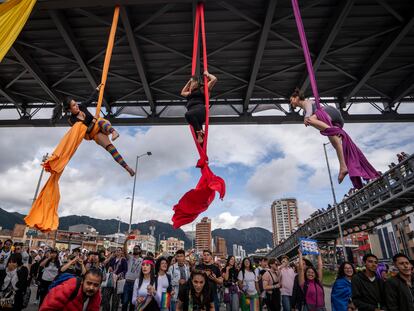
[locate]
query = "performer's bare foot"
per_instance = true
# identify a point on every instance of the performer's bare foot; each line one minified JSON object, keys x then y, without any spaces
{"x":130,"y":171}
{"x":342,"y":174}
{"x":115,"y":135}
{"x":200,"y":137}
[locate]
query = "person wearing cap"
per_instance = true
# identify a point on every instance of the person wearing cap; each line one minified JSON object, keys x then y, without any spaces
{"x":134,"y":267}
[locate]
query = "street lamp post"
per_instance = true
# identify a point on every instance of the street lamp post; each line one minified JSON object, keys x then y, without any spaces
{"x":133,"y":189}
{"x":40,"y":179}
{"x":341,"y":234}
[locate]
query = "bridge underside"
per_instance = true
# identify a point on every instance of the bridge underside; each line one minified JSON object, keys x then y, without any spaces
{"x":362,"y":54}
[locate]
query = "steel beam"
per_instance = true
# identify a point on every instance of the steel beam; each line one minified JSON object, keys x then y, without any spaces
{"x":243,"y":119}
{"x":403,"y":89}
{"x":66,"y":32}
{"x":378,"y":58}
{"x":270,"y":12}
{"x":137,"y":55}
{"x":16,"y":100}
{"x":64,"y":4}
{"x":27,"y":62}
{"x":335,"y":23}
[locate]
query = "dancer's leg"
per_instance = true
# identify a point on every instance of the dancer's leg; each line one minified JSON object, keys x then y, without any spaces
{"x":106,"y":128}
{"x":192,"y":117}
{"x":103,"y":141}
{"x":336,"y":143}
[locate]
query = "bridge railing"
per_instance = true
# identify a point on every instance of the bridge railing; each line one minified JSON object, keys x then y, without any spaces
{"x":365,"y":207}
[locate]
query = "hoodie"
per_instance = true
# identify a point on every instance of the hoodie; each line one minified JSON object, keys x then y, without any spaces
{"x":367,"y":294}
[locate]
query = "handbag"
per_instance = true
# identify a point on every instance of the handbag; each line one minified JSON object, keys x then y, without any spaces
{"x":108,"y":280}
{"x":120,"y":284}
{"x":7,"y":297}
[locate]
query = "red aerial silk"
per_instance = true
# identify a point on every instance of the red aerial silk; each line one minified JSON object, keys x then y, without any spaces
{"x":197,"y":200}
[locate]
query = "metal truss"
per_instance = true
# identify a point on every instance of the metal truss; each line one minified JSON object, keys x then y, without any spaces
{"x":244,"y":93}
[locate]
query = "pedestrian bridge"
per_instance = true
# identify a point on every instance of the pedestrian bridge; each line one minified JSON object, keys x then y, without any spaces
{"x":390,"y":196}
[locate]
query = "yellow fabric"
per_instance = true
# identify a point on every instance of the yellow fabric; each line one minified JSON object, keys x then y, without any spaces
{"x":13,"y":16}
{"x":43,"y":214}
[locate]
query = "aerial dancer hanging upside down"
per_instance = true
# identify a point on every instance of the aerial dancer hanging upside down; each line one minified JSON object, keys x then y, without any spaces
{"x":80,"y":113}
{"x":297,"y":99}
{"x":329,"y":121}
{"x":196,"y":109}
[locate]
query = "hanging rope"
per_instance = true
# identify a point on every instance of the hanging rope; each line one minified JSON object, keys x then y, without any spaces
{"x":197,"y":200}
{"x":44,"y":212}
{"x":357,"y":164}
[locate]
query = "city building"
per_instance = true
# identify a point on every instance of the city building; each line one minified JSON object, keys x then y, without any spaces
{"x":404,"y":233}
{"x":203,"y":235}
{"x":171,"y":245}
{"x":220,"y":247}
{"x":285,"y":219}
{"x":83,"y":228}
{"x":238,"y":252}
{"x":147,"y":242}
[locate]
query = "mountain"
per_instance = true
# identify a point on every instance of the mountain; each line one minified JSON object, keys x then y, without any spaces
{"x":8,"y":220}
{"x":109,"y":226}
{"x":251,"y":238}
{"x":103,"y":226}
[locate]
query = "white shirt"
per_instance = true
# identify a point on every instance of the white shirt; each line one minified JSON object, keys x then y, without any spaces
{"x":162,"y":287}
{"x":11,"y":277}
{"x":140,"y":292}
{"x":4,"y":257}
{"x":249,"y":281}
{"x":50,"y":272}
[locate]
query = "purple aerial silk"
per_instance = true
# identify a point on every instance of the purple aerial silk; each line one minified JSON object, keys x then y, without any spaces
{"x":357,"y":163}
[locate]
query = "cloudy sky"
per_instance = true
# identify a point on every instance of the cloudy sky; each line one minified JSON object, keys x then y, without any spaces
{"x":259,"y":164}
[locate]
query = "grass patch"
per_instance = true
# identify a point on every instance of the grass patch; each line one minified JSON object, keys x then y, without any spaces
{"x":329,"y":277}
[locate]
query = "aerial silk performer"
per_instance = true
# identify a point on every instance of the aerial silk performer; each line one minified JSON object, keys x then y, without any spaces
{"x":13,"y":17}
{"x":98,"y":129}
{"x":196,"y":111}
{"x":329,"y":121}
{"x":43,"y":214}
{"x":197,"y":200}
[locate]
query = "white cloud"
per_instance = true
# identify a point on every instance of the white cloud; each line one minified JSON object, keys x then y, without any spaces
{"x":94,"y":185}
{"x":273,"y":179}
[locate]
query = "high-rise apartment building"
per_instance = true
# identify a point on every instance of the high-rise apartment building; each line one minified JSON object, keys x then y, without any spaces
{"x":220,"y":248}
{"x":285,"y":218}
{"x":203,"y":235}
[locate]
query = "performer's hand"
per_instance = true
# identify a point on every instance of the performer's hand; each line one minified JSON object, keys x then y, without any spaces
{"x":140,"y":299}
{"x":206,"y":73}
{"x":99,"y":87}
{"x":307,"y":121}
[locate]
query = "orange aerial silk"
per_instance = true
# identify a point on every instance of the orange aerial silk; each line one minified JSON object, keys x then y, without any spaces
{"x":43,"y":215}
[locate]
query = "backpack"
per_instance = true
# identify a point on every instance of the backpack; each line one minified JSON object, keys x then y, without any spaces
{"x":63,"y":277}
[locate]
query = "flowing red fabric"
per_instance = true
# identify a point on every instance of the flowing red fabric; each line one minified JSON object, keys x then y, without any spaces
{"x":197,"y":200}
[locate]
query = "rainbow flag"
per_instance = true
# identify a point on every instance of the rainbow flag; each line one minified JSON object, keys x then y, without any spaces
{"x":165,"y":301}
{"x":254,"y":303}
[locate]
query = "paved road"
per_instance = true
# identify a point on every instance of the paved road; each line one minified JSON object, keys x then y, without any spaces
{"x":33,"y":307}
